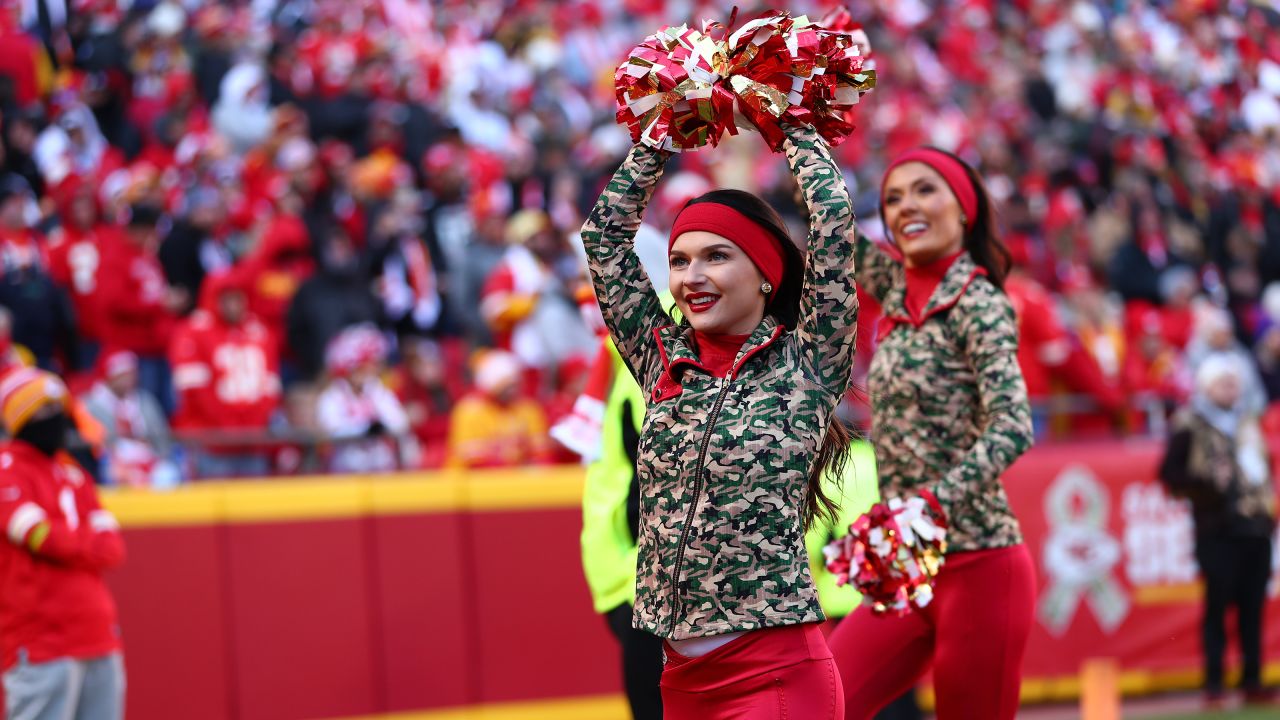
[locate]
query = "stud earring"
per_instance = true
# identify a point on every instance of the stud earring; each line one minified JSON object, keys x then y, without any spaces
{"x":766,"y":288}
{"x":964,"y":220}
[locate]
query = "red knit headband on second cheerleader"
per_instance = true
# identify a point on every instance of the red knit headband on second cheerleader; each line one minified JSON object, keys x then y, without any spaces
{"x":760,"y":245}
{"x":951,"y":170}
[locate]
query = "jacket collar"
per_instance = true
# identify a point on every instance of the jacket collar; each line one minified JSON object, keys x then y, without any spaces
{"x":675,"y":343}
{"x":954,"y":283}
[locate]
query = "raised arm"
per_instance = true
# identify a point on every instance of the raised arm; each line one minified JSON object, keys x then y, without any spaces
{"x":989,"y":333}
{"x":829,"y":302}
{"x":877,"y":269}
{"x":627,"y":299}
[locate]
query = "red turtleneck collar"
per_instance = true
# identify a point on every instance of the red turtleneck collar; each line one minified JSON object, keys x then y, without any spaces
{"x":922,"y":281}
{"x":717,"y":352}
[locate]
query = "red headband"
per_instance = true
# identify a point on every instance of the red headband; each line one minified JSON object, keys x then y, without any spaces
{"x":952,"y":171}
{"x":760,"y":245}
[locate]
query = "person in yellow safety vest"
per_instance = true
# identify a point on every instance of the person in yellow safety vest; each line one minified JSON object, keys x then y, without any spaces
{"x":610,"y":516}
{"x":856,"y":493}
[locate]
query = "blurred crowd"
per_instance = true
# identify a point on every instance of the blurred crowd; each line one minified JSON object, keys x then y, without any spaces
{"x":238,"y":227}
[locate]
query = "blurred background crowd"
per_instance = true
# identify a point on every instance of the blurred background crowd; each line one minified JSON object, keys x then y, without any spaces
{"x":284,"y":236}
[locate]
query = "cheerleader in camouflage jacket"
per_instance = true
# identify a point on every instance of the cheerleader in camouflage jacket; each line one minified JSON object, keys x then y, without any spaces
{"x":950,"y":414}
{"x":738,"y":430}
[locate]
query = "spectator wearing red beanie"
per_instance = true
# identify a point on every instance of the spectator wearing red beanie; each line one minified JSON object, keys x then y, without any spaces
{"x":60,"y":645}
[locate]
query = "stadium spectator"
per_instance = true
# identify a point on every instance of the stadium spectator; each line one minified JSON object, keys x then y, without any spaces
{"x":75,"y":259}
{"x":20,"y":128}
{"x":23,"y":61}
{"x":1152,"y":366}
{"x":140,"y":308}
{"x":274,"y":269}
{"x":407,"y":277}
{"x":137,"y":447}
{"x":1218,"y":459}
{"x":338,"y":296}
{"x":428,"y":390}
{"x":21,"y":246}
{"x":74,"y":145}
{"x":357,"y":404}
{"x":1050,"y":358}
{"x":242,"y":114}
{"x":495,"y":425}
{"x":59,"y":640}
{"x":527,"y":299}
{"x":226,"y":374}
{"x":482,"y":251}
{"x":43,"y":321}
{"x":196,"y":245}
{"x":1214,"y":335}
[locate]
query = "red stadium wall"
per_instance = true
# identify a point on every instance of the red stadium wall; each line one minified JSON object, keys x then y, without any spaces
{"x":334,"y":598}
{"x":348,"y":597}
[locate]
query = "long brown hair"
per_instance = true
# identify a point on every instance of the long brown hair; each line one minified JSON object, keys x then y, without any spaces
{"x":982,"y":237}
{"x":784,"y":307}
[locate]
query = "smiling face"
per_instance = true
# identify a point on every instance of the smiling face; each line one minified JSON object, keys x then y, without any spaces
{"x":715,"y":284}
{"x":922,"y":214}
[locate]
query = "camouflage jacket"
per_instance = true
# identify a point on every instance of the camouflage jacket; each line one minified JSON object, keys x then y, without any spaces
{"x":724,"y":463}
{"x":949,"y":407}
{"x":1202,"y":464}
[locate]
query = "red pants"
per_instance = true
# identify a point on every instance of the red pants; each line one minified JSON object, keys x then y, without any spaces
{"x":770,"y":674}
{"x":973,"y":634}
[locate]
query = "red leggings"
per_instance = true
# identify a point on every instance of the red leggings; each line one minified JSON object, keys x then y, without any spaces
{"x":973,"y":635}
{"x":770,"y":674}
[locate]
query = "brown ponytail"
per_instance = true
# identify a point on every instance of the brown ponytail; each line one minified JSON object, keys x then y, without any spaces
{"x":832,"y":456}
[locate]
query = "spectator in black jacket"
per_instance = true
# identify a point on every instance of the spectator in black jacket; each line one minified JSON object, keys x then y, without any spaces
{"x":192,"y":249}
{"x":336,"y":297}
{"x":1217,"y":459}
{"x":43,"y":321}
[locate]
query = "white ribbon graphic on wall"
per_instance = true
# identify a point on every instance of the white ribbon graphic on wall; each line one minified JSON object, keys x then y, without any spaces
{"x":1079,"y":555}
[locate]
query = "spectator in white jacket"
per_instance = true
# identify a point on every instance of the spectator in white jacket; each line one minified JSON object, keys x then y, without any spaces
{"x":358,"y":410}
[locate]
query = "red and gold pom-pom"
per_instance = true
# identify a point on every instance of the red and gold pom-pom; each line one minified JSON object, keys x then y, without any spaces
{"x":892,"y":553}
{"x":680,"y":88}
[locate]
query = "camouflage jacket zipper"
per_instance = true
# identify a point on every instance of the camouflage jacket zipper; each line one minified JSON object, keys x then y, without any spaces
{"x":725,"y":384}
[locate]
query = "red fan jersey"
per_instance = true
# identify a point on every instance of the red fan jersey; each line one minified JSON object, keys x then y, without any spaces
{"x":133,"y":288}
{"x":75,"y":264}
{"x":226,"y":376}
{"x":57,"y":543}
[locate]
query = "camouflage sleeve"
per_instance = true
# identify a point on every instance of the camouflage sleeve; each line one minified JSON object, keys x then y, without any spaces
{"x":627,"y":299}
{"x":989,"y":334}
{"x":877,"y":271}
{"x":829,"y":301}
